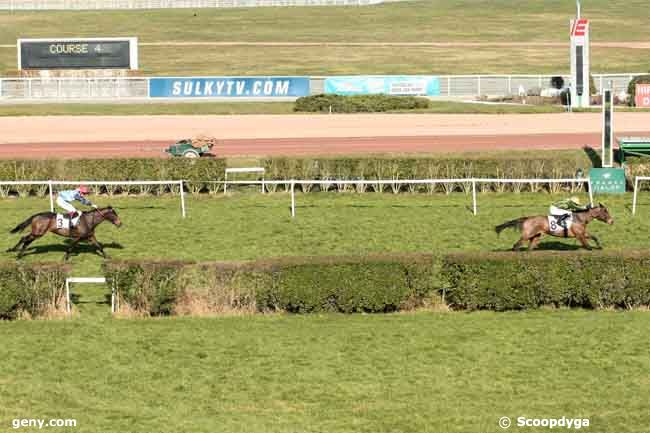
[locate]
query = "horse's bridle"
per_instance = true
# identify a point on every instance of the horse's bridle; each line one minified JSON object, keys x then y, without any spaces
{"x":101,"y":213}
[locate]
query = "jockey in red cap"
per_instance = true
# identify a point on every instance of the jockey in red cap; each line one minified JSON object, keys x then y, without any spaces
{"x":64,"y":198}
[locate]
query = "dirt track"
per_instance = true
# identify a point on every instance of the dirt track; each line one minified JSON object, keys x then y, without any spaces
{"x":120,"y":136}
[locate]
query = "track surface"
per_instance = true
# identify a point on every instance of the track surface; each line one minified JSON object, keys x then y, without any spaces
{"x":147,"y":136}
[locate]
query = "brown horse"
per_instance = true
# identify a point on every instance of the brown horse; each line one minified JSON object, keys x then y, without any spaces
{"x":534,"y":227}
{"x":44,"y":222}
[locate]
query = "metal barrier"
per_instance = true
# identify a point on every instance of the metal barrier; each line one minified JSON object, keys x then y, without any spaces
{"x":451,"y":86}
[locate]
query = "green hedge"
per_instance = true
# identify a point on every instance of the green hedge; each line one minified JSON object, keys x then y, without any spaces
{"x":637,"y":166}
{"x":518,"y":281}
{"x":33,"y":289}
{"x":517,"y":165}
{"x":195,"y":171}
{"x":631,"y":88}
{"x":302,"y":285}
{"x":385,"y":283}
{"x":323,"y":103}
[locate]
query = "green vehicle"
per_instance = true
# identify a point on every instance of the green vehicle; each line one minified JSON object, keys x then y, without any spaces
{"x":189,"y":148}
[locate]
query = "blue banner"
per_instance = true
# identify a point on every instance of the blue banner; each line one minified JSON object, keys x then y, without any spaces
{"x":219,"y":87}
{"x":425,"y":85}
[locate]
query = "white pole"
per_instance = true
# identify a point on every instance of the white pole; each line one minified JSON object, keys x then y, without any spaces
{"x":180,"y":183}
{"x":67,"y":296}
{"x":293,"y":200}
{"x":225,"y":183}
{"x":636,"y":185}
{"x":263,"y":189}
{"x":113,"y":299}
{"x":49,"y":185}
{"x":474,"y":195}
{"x":591,"y":192}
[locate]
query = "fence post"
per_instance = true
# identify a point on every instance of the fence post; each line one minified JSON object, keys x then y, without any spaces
{"x":474,"y":195}
{"x":113,"y":300}
{"x":180,"y":183}
{"x":509,"y":85}
{"x":225,"y":183}
{"x":49,"y":185}
{"x":591,"y":193}
{"x":67,"y":296}
{"x":636,"y":186}
{"x":479,"y":85}
{"x":601,"y":85}
{"x":293,"y":199}
{"x":448,"y":85}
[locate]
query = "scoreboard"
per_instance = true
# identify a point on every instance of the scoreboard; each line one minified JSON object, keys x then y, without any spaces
{"x":93,"y":53}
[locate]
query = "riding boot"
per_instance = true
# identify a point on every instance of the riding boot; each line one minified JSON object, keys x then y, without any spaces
{"x":72,"y":215}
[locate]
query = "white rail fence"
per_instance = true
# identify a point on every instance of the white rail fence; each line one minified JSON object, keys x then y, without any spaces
{"x":473,"y":181}
{"x":52,"y":183}
{"x":451,"y":86}
{"x":83,"y":280}
{"x":30,"y":5}
{"x":637,"y":180}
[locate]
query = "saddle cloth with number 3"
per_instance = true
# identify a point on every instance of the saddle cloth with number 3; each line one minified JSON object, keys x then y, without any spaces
{"x":63,"y":222}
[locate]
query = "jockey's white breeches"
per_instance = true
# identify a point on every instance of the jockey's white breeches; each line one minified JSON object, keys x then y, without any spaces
{"x":65,"y":205}
{"x":557,"y":211}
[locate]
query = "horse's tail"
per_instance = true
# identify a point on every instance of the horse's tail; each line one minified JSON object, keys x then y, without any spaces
{"x":23,"y":225}
{"x":20,"y":227}
{"x":514,"y":224}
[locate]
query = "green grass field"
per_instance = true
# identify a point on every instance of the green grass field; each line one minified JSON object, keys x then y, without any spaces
{"x":416,"y":21}
{"x":423,"y":372}
{"x":416,"y":372}
{"x":250,"y":226}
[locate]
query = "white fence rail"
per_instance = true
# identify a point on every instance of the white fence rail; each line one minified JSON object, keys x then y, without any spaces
{"x":637,"y":180}
{"x":473,"y":181}
{"x":451,"y":86}
{"x":84,"y":280}
{"x":30,"y":5}
{"x":52,"y":183}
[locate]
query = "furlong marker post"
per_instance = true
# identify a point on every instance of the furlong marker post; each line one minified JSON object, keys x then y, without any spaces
{"x":180,"y":184}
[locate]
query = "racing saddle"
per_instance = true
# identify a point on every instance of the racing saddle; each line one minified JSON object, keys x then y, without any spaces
{"x":67,"y":220}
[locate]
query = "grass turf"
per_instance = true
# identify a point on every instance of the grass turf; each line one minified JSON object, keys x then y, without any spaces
{"x":251,"y":226}
{"x":419,"y":21}
{"x":424,"y":372}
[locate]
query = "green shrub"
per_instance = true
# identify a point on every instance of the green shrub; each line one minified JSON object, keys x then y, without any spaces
{"x":196,"y":171}
{"x":299,"y":285}
{"x":386,"y":283}
{"x":323,"y":103}
{"x":149,"y":287}
{"x":522,"y":165}
{"x":631,"y":88}
{"x":34,"y":289}
{"x":517,"y":281}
